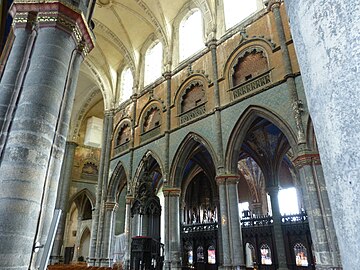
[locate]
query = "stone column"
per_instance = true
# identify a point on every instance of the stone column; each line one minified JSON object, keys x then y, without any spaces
{"x":128,"y":228}
{"x":108,"y":234}
{"x":35,"y":140}
{"x":231,"y":246}
{"x":318,"y":209}
{"x":62,"y":198}
{"x":14,"y":74}
{"x":172,"y":228}
{"x":274,"y":6}
{"x":98,"y":218}
{"x":327,"y":41}
{"x":278,"y":234}
{"x":218,"y":128}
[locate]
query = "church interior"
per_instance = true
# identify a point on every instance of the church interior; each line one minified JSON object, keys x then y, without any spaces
{"x":187,"y":134}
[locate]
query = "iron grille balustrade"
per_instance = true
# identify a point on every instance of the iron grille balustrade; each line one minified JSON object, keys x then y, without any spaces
{"x":199,"y":227}
{"x":268,"y":220}
{"x":257,"y":221}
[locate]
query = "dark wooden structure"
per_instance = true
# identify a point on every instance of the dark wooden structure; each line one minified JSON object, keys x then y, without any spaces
{"x":146,"y":254}
{"x":258,"y":239}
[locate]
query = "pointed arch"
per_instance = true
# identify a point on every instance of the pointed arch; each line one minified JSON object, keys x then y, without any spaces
{"x":118,"y":181}
{"x":242,"y":127}
{"x":80,"y":196}
{"x":187,"y":146}
{"x":154,"y":159}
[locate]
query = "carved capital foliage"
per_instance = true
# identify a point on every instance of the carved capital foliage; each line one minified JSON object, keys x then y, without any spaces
{"x":58,"y":14}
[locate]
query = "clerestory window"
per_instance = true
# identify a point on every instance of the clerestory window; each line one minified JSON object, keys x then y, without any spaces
{"x":237,"y":10}
{"x":153,"y":63}
{"x":127,"y":82}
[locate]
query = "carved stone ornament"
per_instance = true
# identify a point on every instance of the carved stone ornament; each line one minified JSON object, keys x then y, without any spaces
{"x":59,"y":14}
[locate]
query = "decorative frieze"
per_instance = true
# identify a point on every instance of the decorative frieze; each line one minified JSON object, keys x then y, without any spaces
{"x":150,"y":134}
{"x":251,"y":87}
{"x":57,"y":14}
{"x":192,"y":114}
{"x":121,"y":148}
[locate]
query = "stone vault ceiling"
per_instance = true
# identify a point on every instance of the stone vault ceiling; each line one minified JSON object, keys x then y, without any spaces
{"x":122,"y":28}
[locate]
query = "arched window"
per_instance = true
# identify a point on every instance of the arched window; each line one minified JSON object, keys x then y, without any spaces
{"x":190,"y":34}
{"x":237,"y":10}
{"x":301,"y":255}
{"x":153,"y":63}
{"x":211,"y":255}
{"x":127,"y":82}
{"x":265,"y":252}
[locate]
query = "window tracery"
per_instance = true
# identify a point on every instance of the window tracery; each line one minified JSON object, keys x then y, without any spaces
{"x":123,"y":135}
{"x":152,"y":119}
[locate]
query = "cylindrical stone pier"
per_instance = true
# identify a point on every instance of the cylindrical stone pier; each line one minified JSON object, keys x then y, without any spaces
{"x":36,"y":132}
{"x":326,"y":35}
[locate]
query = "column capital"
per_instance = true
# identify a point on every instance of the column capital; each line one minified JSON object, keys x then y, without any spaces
{"x":54,"y":14}
{"x":129,"y":199}
{"x":304,"y":159}
{"x":271,"y":4}
{"x":167,"y":75}
{"x":273,"y":190}
{"x":212,"y":44}
{"x":171,"y":192}
{"x":227,"y":179}
{"x":110,"y":206}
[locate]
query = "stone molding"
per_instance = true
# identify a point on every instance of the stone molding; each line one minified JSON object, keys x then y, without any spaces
{"x":56,"y":14}
{"x":273,"y":4}
{"x":307,"y":159}
{"x":112,"y":206}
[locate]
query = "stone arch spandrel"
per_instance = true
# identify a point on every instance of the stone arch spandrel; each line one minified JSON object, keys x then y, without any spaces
{"x":240,"y":131}
{"x":187,"y":146}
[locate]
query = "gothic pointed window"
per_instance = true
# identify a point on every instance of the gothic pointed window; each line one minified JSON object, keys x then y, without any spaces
{"x":190,"y":34}
{"x":301,"y":255}
{"x":153,"y":63}
{"x":211,"y":255}
{"x":237,"y":10}
{"x":265,"y":252}
{"x":127,"y":82}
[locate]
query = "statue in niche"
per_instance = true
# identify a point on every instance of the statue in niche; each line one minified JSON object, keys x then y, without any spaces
{"x":194,"y":217}
{"x":205,"y":216}
{"x":212,"y":216}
